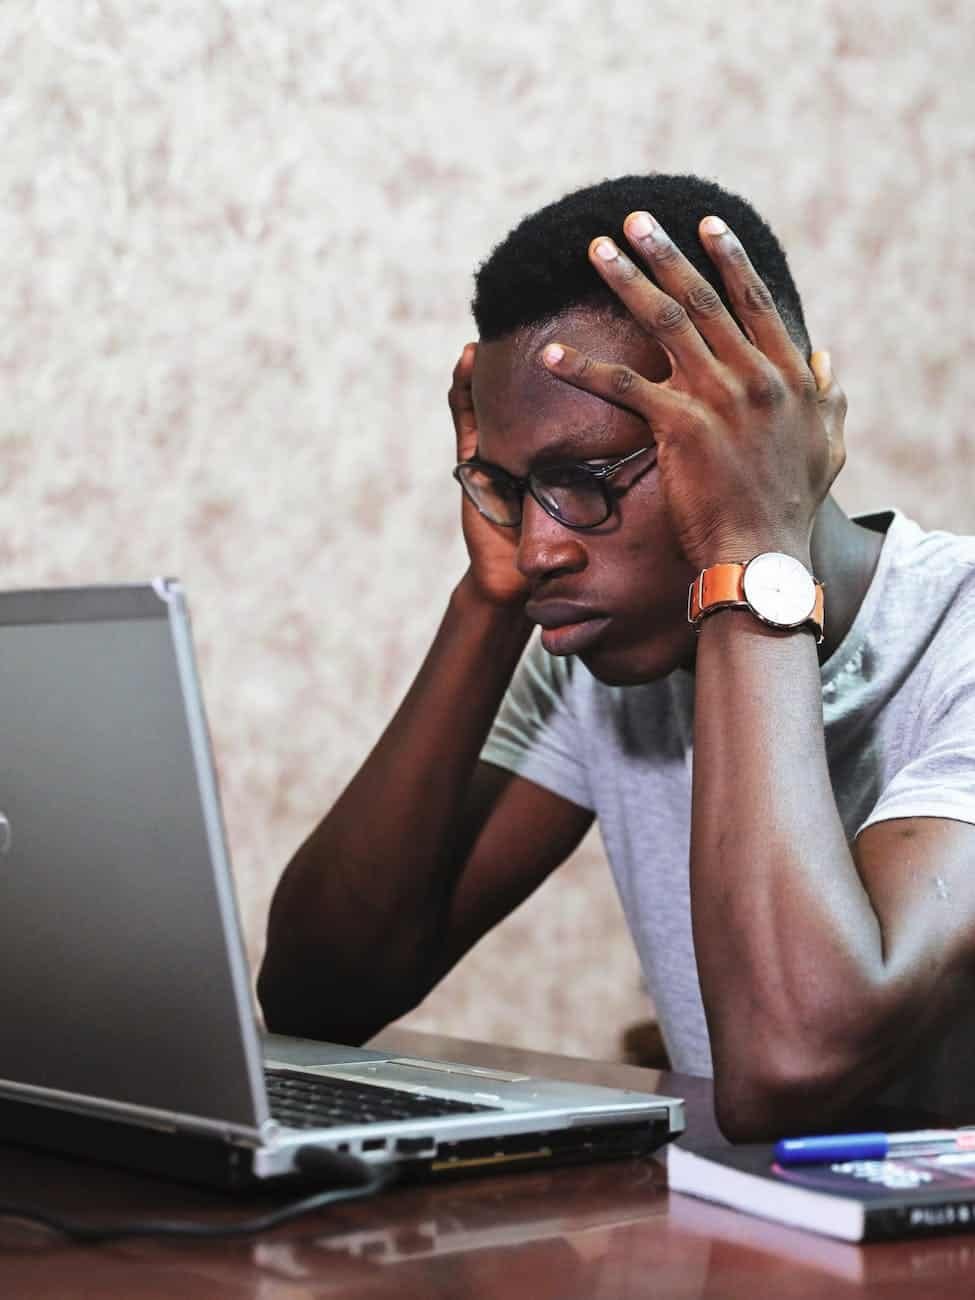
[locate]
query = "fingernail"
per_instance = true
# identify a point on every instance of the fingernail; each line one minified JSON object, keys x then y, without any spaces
{"x":639,"y":224}
{"x":713,"y":226}
{"x":822,"y":368}
{"x":553,"y":354}
{"x":606,"y":250}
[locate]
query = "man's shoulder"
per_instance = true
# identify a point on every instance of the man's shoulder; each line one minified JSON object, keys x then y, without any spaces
{"x":919,"y":630}
{"x":925,"y":581}
{"x":926,"y":553}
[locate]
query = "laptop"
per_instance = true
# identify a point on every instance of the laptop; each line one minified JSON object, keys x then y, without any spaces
{"x":128,"y":1025}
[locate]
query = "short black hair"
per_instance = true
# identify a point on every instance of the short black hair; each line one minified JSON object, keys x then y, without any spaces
{"x":541,"y":268}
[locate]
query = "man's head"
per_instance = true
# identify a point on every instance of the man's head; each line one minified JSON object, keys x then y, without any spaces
{"x":626,"y":580}
{"x":541,"y":270}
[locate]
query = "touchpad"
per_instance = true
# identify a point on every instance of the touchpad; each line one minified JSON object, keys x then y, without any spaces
{"x":435,"y":1075}
{"x":464,"y":1071}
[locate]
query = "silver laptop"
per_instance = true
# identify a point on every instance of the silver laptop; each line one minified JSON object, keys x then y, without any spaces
{"x":127,"y":1026}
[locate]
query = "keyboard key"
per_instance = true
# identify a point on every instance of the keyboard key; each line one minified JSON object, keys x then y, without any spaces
{"x":312,"y":1101}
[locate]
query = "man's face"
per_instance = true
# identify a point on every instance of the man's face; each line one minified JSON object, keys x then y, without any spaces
{"x":626,"y":581}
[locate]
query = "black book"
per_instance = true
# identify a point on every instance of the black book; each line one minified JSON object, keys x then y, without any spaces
{"x":862,"y":1200}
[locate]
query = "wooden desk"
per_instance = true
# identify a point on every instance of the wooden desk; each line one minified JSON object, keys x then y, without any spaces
{"x":599,"y":1232}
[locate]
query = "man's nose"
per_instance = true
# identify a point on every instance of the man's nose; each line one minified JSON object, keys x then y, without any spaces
{"x":546,"y":547}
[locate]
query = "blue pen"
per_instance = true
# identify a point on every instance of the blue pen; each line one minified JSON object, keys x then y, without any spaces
{"x":872,"y":1146}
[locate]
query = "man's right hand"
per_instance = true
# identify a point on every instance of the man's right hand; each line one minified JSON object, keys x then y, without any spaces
{"x":492,"y":549}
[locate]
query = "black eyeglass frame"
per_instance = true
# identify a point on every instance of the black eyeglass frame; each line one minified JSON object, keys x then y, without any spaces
{"x":524,"y":485}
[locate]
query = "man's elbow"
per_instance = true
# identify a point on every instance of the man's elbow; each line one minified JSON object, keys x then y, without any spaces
{"x":788,"y":1092}
{"x":297,"y":1001}
{"x":753,"y":1113}
{"x":302,"y":1015}
{"x":278,"y":1006}
{"x":283,"y":1009}
{"x":299,"y":993}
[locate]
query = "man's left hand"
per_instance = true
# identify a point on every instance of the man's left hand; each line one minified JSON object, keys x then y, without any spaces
{"x":749,"y":435}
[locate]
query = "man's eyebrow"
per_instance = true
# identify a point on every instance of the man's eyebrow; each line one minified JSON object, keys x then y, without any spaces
{"x":575,"y":446}
{"x":570,"y":446}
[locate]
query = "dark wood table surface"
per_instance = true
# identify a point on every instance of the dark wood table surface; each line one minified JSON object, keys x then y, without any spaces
{"x":595,"y":1232}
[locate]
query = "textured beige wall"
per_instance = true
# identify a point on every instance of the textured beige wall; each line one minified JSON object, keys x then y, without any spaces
{"x":237,"y":241}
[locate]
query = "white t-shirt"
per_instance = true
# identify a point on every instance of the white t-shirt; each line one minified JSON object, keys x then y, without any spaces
{"x":899,"y":717}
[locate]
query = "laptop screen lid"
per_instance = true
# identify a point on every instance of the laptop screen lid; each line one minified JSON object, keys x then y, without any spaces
{"x":124,"y":987}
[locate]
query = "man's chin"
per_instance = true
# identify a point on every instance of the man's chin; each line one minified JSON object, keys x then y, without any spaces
{"x":638,"y":665}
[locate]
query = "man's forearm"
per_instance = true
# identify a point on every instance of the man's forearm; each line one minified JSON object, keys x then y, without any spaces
{"x":789,"y":948}
{"x":354,"y":915}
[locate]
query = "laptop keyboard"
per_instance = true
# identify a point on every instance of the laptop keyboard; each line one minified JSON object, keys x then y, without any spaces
{"x":312,"y":1101}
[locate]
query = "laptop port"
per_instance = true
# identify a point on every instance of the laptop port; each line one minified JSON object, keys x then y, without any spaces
{"x":415,"y":1146}
{"x":374,"y":1144}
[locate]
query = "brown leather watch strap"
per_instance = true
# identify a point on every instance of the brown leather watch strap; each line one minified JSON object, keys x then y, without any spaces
{"x":715,"y":587}
{"x":721,"y":586}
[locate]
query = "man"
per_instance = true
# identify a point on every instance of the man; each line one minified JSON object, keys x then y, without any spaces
{"x":803,"y":895}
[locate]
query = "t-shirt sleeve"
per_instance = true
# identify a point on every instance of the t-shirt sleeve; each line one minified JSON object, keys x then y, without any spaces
{"x":937,"y":778}
{"x":536,"y":733}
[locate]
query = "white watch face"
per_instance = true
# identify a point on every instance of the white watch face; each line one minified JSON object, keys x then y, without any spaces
{"x":779,"y":589}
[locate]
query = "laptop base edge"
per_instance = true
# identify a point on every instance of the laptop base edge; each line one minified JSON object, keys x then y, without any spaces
{"x":183,"y":1157}
{"x":209,"y":1162}
{"x":558,"y":1147}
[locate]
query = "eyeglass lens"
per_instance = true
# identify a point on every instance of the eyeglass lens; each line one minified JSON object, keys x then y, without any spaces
{"x":567,"y":493}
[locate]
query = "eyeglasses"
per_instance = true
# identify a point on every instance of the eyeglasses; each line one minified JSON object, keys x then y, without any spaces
{"x":577,"y":495}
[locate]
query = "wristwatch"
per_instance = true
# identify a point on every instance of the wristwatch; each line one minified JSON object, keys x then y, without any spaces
{"x":778,"y":589}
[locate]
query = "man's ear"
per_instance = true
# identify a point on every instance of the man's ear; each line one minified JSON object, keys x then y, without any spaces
{"x":461,"y":403}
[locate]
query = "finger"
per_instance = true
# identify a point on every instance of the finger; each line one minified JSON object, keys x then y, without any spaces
{"x":652,"y":309}
{"x":660,"y":407}
{"x":750,"y":299}
{"x":829,"y":394}
{"x":832,"y":406}
{"x":679,"y":278}
{"x":461,"y":401}
{"x":821,"y":365}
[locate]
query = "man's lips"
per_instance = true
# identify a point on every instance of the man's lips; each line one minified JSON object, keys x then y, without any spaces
{"x":568,"y":628}
{"x":558,"y":613}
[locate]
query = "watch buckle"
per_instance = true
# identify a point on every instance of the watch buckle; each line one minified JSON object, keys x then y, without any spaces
{"x":699,"y":583}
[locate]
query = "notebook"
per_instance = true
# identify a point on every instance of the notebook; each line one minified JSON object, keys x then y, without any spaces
{"x":129,"y":1029}
{"x":855,"y":1200}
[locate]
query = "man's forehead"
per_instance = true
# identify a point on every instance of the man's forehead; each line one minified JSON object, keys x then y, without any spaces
{"x":579,"y":326}
{"x":515,"y":396}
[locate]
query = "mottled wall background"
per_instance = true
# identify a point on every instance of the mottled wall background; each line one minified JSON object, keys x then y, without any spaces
{"x":237,"y":244}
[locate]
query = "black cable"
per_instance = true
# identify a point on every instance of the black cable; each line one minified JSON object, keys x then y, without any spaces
{"x":308,"y":1159}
